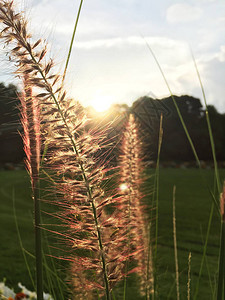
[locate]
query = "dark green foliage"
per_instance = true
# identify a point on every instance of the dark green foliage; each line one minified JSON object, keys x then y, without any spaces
{"x":8,"y":104}
{"x":11,"y":149}
{"x":175,"y":145}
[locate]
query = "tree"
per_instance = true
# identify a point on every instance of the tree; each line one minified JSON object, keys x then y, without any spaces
{"x":175,"y":145}
{"x":11,"y":149}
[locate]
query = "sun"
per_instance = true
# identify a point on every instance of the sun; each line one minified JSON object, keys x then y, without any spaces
{"x":101,"y":103}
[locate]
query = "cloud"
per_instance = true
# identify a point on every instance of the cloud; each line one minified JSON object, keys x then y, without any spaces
{"x":159,"y":43}
{"x":183,"y":13}
{"x":109,"y":54}
{"x":125,"y":69}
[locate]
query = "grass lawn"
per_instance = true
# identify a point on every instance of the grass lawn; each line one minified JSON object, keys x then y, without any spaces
{"x":12,"y":263}
{"x":193,"y":204}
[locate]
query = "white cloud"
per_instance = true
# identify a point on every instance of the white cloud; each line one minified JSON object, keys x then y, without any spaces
{"x":221,"y":54}
{"x":109,"y":54}
{"x":125,"y":69}
{"x":182,"y":13}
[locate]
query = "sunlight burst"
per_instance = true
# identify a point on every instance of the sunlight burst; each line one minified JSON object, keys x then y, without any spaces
{"x":101,"y":103}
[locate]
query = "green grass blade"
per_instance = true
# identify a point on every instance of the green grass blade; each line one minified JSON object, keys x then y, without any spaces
{"x":220,"y":289}
{"x":51,"y":276}
{"x":46,"y":266}
{"x":149,"y":258}
{"x":49,"y":284}
{"x":156,"y":185}
{"x":155,"y":202}
{"x":66,"y":65}
{"x":169,"y":297}
{"x":71,"y":43}
{"x":113,"y":295}
{"x":176,"y":106}
{"x":204,"y":252}
{"x":20,"y":241}
{"x":207,"y":266}
{"x":209,"y":127}
{"x":175,"y":244}
{"x":221,"y":278}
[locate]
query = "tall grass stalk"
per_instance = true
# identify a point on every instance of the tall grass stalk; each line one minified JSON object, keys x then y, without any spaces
{"x":194,"y":151}
{"x":218,"y":185}
{"x":155,"y":203}
{"x":209,"y":128}
{"x":133,"y":212}
{"x":175,"y":244}
{"x":149,"y":264}
{"x":189,"y":278}
{"x":204,"y":252}
{"x":66,"y":66}
{"x":95,"y":240}
{"x":208,"y":270}
{"x":156,"y":186}
{"x":52,"y":272}
{"x":221,"y":277}
{"x":72,"y":42}
{"x":176,"y":106}
{"x":31,"y":126}
{"x":20,"y":241}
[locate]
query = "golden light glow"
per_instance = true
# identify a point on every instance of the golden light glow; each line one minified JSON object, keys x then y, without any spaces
{"x":123,"y":187}
{"x":101,"y":102}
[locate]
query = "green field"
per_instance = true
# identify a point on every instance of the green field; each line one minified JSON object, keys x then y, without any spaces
{"x":193,"y":204}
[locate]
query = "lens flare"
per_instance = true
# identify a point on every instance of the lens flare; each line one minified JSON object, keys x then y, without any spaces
{"x":123,"y":187}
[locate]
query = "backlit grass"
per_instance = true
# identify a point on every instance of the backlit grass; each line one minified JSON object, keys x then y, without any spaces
{"x":193,"y":203}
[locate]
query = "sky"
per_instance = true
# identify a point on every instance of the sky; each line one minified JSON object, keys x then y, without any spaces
{"x":111,"y":60}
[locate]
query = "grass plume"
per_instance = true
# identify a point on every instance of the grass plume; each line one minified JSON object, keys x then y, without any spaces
{"x":133,"y":211}
{"x":90,"y":233}
{"x":30,"y":117}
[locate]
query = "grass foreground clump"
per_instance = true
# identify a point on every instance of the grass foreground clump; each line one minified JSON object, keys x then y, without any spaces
{"x":96,"y":240}
{"x":104,"y":235}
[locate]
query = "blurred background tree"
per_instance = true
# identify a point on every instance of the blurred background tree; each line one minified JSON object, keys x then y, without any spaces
{"x":11,"y":147}
{"x":175,"y":146}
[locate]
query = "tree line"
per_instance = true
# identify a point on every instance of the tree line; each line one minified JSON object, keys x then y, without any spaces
{"x":175,"y":145}
{"x":148,"y":111}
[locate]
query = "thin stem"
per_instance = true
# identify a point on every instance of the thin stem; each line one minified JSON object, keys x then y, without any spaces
{"x":176,"y":106}
{"x":209,"y":127}
{"x":38,"y":242}
{"x":221,"y":286}
{"x":189,"y":278}
{"x":204,"y":251}
{"x":221,"y":279}
{"x":67,"y":63}
{"x":149,"y":258}
{"x":156,"y":202}
{"x":156,"y":185}
{"x":71,"y":43}
{"x":175,"y":244}
{"x":20,"y":241}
